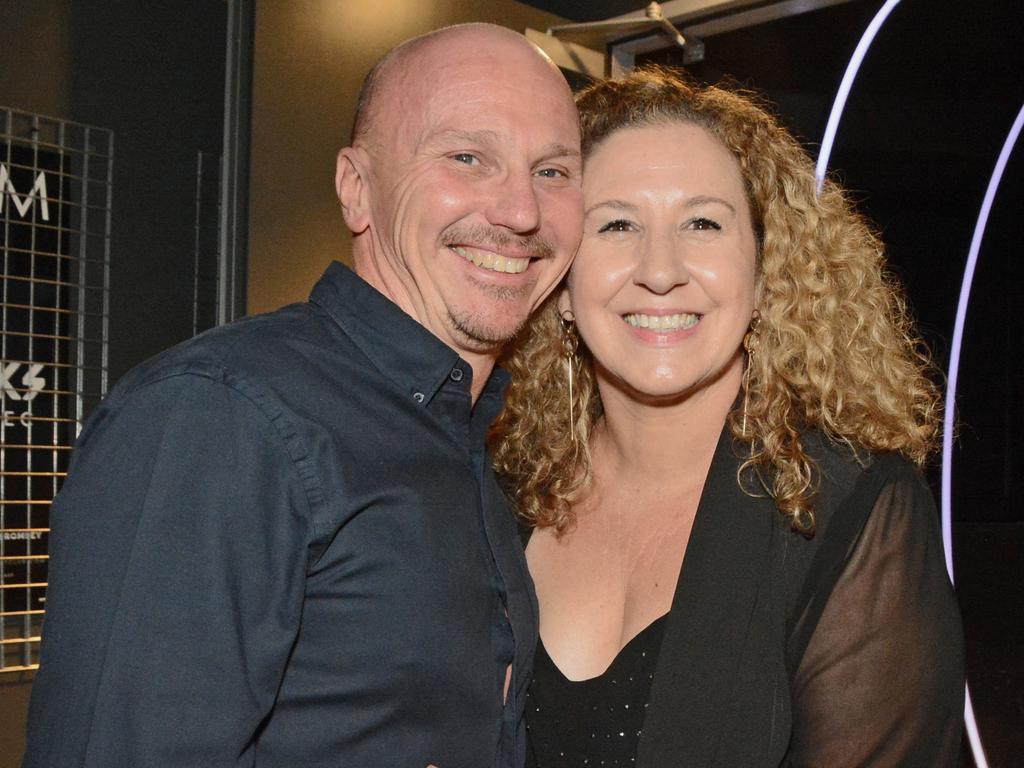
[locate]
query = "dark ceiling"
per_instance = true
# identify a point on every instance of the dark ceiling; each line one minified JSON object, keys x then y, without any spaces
{"x":587,"y":10}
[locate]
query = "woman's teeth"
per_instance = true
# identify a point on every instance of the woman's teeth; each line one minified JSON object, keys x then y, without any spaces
{"x":491,"y":260}
{"x":662,"y":322}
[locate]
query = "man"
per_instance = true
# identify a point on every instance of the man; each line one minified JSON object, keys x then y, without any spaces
{"x":281,"y":544}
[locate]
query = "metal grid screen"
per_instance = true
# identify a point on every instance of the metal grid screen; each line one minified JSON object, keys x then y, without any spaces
{"x":55,"y":186}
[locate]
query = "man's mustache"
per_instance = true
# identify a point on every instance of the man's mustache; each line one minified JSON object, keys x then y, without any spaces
{"x":502,"y":241}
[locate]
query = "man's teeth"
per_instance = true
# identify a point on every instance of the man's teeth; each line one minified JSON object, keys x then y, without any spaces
{"x":492,"y":261}
{"x":662,"y":322}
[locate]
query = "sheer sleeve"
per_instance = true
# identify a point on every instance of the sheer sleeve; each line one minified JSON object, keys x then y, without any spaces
{"x":881,"y":680}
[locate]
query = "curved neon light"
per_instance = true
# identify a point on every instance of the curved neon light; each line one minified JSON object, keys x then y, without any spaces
{"x":832,"y":127}
{"x":954,"y":371}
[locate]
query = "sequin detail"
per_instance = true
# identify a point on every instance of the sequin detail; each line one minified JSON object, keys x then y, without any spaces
{"x":595,"y":722}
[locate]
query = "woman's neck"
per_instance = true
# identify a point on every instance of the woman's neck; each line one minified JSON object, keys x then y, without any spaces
{"x":663,"y":442}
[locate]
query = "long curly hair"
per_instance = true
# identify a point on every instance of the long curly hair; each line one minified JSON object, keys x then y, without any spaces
{"x":836,"y":350}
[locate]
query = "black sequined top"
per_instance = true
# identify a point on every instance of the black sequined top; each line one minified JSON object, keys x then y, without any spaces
{"x":595,"y":722}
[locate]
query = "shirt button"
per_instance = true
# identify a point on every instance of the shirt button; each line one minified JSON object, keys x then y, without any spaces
{"x":456,"y":374}
{"x":418,"y":397}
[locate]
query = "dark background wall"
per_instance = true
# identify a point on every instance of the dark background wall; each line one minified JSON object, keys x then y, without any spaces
{"x":153,"y":73}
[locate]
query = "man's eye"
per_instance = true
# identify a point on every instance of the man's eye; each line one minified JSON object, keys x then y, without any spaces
{"x":702,"y":223}
{"x":466,"y":157}
{"x":619,"y":225}
{"x":552,"y":173}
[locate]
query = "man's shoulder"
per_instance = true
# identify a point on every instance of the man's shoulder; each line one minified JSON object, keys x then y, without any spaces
{"x":244,"y":352}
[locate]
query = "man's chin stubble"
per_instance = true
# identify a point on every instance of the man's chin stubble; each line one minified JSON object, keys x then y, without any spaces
{"x":484,"y":337}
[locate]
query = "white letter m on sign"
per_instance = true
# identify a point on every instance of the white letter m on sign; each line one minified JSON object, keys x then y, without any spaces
{"x":24,"y":204}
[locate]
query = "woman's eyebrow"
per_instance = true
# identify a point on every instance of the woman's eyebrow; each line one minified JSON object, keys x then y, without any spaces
{"x":699,"y":200}
{"x":618,"y":205}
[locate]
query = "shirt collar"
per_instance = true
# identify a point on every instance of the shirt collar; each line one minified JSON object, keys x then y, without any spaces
{"x":397,"y":345}
{"x":492,"y":399}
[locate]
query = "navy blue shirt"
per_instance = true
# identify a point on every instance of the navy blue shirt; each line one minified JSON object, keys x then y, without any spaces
{"x":282,"y":544}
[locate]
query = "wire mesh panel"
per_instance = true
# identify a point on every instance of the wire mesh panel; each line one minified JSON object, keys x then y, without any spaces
{"x":55,"y":186}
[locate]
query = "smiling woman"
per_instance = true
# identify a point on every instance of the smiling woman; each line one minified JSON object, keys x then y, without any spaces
{"x":735,"y":556}
{"x":663,"y":289}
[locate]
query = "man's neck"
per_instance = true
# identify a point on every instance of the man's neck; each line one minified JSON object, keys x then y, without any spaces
{"x":482,"y":363}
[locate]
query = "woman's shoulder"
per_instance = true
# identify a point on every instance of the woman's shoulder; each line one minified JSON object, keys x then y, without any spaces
{"x":875,"y":513}
{"x":853,"y":488}
{"x":850,"y":479}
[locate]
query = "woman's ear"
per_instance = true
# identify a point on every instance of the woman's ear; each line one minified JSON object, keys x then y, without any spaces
{"x":564,"y":302}
{"x":351,"y":184}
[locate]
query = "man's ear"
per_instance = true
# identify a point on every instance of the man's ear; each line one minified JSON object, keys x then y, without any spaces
{"x":350,"y":181}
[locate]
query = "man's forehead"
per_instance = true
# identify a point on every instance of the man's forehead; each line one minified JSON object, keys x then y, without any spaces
{"x":548,"y":146}
{"x":454,"y":83}
{"x":469,"y":62}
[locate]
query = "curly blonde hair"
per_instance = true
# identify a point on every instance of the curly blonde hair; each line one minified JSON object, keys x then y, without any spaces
{"x":836,"y":349}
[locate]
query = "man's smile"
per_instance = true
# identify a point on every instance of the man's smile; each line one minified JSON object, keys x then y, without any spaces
{"x":491,"y":260}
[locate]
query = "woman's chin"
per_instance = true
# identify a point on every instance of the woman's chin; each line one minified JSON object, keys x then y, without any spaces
{"x":664,"y":386}
{"x":653,"y":391}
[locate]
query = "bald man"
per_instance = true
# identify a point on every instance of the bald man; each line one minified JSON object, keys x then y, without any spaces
{"x":282,"y":544}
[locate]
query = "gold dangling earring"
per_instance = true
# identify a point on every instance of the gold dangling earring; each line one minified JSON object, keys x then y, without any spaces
{"x":750,"y":342}
{"x":570,"y":342}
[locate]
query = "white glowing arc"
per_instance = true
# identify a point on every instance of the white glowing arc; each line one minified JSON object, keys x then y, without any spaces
{"x":831,"y":128}
{"x":954,"y":372}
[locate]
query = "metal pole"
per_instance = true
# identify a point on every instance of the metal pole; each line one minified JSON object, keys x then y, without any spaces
{"x":234,"y":211}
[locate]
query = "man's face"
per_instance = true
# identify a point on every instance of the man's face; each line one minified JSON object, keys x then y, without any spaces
{"x":475,"y":200}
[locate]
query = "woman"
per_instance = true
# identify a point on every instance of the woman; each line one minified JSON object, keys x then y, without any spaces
{"x":736,"y":559}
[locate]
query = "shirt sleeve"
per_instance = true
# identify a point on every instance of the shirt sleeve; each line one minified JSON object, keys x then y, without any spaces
{"x":881,"y":682}
{"x":178,"y":558}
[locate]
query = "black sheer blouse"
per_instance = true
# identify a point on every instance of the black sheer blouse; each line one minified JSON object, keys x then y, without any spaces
{"x":881,"y":679}
{"x":844,"y":649}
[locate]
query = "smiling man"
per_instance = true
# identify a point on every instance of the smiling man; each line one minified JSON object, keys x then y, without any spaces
{"x":462,"y":185}
{"x":282,"y":544}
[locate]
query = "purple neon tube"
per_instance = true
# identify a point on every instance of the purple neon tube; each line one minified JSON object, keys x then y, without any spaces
{"x":831,"y":129}
{"x":954,"y":372}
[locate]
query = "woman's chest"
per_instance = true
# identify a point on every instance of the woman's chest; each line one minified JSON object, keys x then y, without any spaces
{"x":603,"y":582}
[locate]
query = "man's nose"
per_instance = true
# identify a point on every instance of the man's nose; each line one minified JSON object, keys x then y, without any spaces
{"x":662,"y":263}
{"x":515,"y":205}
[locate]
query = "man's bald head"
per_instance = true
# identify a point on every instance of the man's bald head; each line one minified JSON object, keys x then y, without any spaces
{"x":389,"y":71}
{"x":462,"y":183}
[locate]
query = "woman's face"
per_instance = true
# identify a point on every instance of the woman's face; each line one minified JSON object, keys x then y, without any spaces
{"x":663,"y":286}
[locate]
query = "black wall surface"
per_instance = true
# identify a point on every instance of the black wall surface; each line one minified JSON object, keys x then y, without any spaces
{"x":153,"y":73}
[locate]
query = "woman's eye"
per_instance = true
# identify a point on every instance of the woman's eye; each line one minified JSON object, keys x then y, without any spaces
{"x":619,"y":225}
{"x":702,"y":224}
{"x":466,"y":158}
